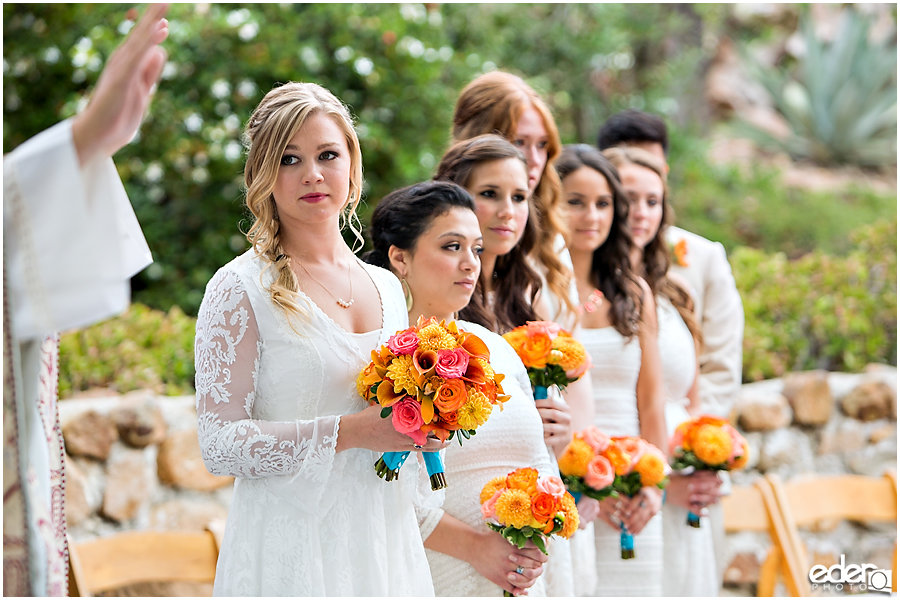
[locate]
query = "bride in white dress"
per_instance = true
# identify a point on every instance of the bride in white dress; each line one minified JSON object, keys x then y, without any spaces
{"x":282,"y":333}
{"x":689,"y":554}
{"x":619,"y":332}
{"x":429,"y":236}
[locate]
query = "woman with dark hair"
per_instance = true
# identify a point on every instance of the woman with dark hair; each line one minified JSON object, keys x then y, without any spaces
{"x":619,"y":331}
{"x":428,"y":235}
{"x":495,"y":173}
{"x":689,"y":556}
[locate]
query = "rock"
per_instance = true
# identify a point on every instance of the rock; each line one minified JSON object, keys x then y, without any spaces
{"x":842,"y":384}
{"x":77,"y":506}
{"x":90,"y":434}
{"x":744,"y":568}
{"x":128,"y":485}
{"x":842,"y":436}
{"x":762,"y":411}
{"x":809,"y":396}
{"x":140,"y":425}
{"x":883,"y":432}
{"x":876,"y":459}
{"x":180,"y":464}
{"x":186,"y":515}
{"x":95,"y":392}
{"x":869,"y":401}
{"x":786,"y":448}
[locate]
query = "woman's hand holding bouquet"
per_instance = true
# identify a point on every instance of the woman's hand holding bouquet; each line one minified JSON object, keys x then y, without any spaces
{"x":431,"y":379}
{"x":707,"y":443}
{"x":524,"y":507}
{"x":601,"y":467}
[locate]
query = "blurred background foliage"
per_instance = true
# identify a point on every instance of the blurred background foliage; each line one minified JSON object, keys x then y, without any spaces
{"x":400,"y":67}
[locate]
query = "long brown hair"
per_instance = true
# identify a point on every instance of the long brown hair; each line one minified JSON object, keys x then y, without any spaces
{"x":656,"y":259}
{"x":611,"y":270}
{"x":493,"y":103}
{"x":516,"y":284}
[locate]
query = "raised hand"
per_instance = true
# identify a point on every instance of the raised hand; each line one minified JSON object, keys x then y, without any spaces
{"x":557,"y":421}
{"x":122,"y":94}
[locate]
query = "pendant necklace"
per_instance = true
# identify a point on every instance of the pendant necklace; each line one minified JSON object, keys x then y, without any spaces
{"x":340,"y":302}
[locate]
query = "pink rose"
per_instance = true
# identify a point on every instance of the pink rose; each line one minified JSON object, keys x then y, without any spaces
{"x":596,"y":439}
{"x":407,"y":418}
{"x":600,"y":473}
{"x":737,"y":442}
{"x":404,"y":342}
{"x":552,"y":485}
{"x":487,"y":509}
{"x":548,"y":328}
{"x":452,"y":364}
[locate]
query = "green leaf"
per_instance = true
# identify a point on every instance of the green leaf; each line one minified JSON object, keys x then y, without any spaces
{"x":386,"y":412}
{"x":539,"y":542}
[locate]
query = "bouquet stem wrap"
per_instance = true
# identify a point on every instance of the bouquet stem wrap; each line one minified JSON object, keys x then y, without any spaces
{"x":626,"y":542}
{"x":388,"y":467}
{"x":540,"y":392}
{"x":693,"y":520}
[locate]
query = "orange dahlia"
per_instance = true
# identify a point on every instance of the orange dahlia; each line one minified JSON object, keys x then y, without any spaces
{"x":712,"y":444}
{"x":652,"y":468}
{"x":575,"y":458}
{"x":491,"y":487}
{"x":523,"y":479}
{"x":567,"y":506}
{"x":514,"y":508}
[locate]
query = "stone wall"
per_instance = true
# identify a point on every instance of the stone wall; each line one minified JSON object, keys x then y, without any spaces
{"x":817,"y":422}
{"x":134,"y":462}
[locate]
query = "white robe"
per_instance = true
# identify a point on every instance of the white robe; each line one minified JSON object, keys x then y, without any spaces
{"x":71,"y":243}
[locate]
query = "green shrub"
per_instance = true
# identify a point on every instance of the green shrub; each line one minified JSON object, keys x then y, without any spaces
{"x":141,"y":349}
{"x":820,"y":311}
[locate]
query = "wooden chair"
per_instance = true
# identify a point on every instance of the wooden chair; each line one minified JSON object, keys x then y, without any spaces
{"x":753,"y":508}
{"x":131,"y":557}
{"x":809,"y":501}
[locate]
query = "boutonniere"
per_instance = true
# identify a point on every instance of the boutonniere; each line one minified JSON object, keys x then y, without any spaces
{"x":678,"y":252}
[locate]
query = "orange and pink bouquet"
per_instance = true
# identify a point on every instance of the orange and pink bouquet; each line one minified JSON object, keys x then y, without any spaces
{"x":523,"y":506}
{"x":550,"y":354}
{"x":431,"y":378}
{"x":707,"y":443}
{"x":599,"y":466}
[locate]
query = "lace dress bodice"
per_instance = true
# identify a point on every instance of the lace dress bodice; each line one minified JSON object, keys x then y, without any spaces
{"x":615,"y":371}
{"x":304,"y":520}
{"x":510,"y":439}
{"x":689,"y":562}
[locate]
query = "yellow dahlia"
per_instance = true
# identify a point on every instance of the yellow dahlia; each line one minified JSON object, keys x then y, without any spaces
{"x":514,"y":508}
{"x":573,"y":353}
{"x":489,"y":373}
{"x":402,"y":373}
{"x":575,"y":459}
{"x":475,"y":411}
{"x":491,"y":487}
{"x":567,"y":506}
{"x":652,"y":468}
{"x":712,"y":444}
{"x":435,"y":337}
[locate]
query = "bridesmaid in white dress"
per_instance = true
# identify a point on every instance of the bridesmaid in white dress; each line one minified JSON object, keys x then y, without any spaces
{"x":619,"y":331}
{"x":429,"y":236}
{"x":689,"y":554}
{"x":282,"y":333}
{"x":494,"y":172}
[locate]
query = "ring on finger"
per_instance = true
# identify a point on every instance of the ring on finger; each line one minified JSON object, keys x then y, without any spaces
{"x":520,"y":569}
{"x":642,"y":504}
{"x":417,"y":446}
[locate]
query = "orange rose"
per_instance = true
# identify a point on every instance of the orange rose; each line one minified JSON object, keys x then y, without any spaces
{"x":523,"y":479}
{"x":543,"y":507}
{"x":618,"y":458}
{"x":536,"y":349}
{"x":451,"y":396}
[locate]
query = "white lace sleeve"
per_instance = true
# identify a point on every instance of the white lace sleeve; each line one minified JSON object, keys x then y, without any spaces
{"x":227,"y":353}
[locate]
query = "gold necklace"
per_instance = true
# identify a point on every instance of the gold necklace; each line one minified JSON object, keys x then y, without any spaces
{"x":340,"y":302}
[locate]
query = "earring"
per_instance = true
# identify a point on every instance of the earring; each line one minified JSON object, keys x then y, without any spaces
{"x":407,"y":293}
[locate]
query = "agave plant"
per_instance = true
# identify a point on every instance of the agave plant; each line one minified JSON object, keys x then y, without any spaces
{"x":840,"y":100}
